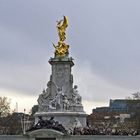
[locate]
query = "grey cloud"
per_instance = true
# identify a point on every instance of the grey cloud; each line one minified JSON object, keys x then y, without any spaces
{"x":104,"y":33}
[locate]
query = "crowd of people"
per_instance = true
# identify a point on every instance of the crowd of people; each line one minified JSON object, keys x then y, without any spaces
{"x":100,"y":129}
{"x":103,"y":131}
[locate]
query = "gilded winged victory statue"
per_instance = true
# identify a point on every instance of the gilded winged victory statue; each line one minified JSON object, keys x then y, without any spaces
{"x":61,"y":50}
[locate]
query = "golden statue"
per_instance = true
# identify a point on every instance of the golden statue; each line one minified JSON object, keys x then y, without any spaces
{"x":61,"y":50}
{"x":61,"y":28}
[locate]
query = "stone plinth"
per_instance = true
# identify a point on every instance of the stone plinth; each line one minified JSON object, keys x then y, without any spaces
{"x":61,"y":75}
{"x":68,"y":119}
{"x":61,"y":99}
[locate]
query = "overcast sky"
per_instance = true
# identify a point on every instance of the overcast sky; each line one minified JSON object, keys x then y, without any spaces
{"x":104,"y":39}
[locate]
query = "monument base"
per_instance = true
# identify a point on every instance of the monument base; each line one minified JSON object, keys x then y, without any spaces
{"x":68,"y":119}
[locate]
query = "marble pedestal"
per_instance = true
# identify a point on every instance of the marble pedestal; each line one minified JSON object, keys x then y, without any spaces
{"x":68,"y":119}
{"x":61,"y":99}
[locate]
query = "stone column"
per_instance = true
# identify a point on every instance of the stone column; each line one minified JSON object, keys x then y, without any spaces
{"x":61,"y":75}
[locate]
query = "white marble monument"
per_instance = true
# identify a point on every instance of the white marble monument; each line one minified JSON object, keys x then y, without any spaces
{"x":61,"y":99}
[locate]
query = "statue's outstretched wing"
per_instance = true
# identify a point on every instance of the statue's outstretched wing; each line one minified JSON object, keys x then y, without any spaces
{"x":65,"y":22}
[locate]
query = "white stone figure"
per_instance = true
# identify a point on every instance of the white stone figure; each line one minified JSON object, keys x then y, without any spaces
{"x":43,"y":97}
{"x":76,"y":97}
{"x":74,"y":122}
{"x":57,"y":102}
{"x":66,"y":103}
{"x":77,"y":123}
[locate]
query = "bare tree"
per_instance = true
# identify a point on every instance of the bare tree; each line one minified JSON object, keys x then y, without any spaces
{"x":136,"y":95}
{"x":4,"y":106}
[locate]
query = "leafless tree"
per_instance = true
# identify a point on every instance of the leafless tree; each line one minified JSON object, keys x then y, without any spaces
{"x":4,"y":106}
{"x":136,"y":95}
